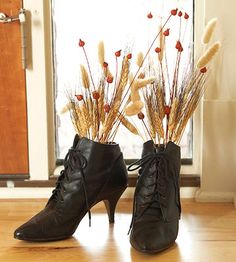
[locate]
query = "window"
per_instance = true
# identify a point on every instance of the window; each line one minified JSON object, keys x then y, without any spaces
{"x":119,"y":24}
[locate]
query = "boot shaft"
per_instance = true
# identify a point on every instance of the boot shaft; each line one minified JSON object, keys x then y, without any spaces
{"x":96,"y":168}
{"x":171,"y":150}
{"x":160,"y":166}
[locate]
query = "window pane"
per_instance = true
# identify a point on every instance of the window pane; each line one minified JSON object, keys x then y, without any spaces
{"x":120,"y":24}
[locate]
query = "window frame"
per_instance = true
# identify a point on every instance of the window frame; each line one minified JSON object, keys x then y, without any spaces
{"x":40,"y":94}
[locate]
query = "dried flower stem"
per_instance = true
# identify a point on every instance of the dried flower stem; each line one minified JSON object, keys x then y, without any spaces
{"x":116,"y":71}
{"x":144,"y":124}
{"x":139,"y":68}
{"x":89,"y":68}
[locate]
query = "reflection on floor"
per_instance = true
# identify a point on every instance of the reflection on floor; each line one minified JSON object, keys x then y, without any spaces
{"x":207,"y":233}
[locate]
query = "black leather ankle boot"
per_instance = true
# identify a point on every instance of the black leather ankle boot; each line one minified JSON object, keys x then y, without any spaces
{"x":93,"y":172}
{"x":157,"y":208}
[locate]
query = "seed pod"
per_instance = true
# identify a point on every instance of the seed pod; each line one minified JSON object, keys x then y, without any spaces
{"x":95,"y":95}
{"x":141,"y":115}
{"x":81,"y":43}
{"x":79,"y":97}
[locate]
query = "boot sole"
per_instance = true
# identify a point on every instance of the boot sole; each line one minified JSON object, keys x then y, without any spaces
{"x":155,"y":251}
{"x":43,"y":240}
{"x":118,"y":192}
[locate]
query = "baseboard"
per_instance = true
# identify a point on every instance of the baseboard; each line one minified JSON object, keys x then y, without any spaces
{"x":45,"y":192}
{"x":25,"y":192}
{"x":185,"y":192}
{"x":205,"y":196}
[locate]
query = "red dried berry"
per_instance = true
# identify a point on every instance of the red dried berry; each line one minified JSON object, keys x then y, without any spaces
{"x":203,"y":70}
{"x":79,"y":97}
{"x":174,"y":11}
{"x":158,"y":50}
{"x":167,"y":32}
{"x":81,"y":43}
{"x":180,"y":14}
{"x":129,"y":56}
{"x":179,"y":46}
{"x":105,"y":64}
{"x":167,"y":110}
{"x":95,"y":95}
{"x":109,"y":79}
{"x":107,"y":108}
{"x":150,"y":15}
{"x":141,"y":115}
{"x":118,"y":53}
{"x":186,"y":16}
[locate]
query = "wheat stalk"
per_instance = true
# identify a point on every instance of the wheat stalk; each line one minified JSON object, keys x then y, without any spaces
{"x":74,"y":119}
{"x":150,"y":123}
{"x":101,"y":104}
{"x":128,"y":125}
{"x":95,"y":126}
{"x":173,"y":114}
{"x":116,"y":101}
{"x":158,"y":126}
{"x":160,"y":102}
{"x":81,"y":120}
{"x":86,"y":117}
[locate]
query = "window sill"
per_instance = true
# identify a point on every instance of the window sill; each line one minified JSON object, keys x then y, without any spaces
{"x":185,"y":181}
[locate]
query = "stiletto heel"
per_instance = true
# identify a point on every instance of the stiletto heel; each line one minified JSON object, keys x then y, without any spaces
{"x":110,"y":204}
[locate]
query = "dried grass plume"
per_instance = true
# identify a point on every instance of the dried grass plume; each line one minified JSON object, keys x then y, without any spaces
{"x":85,"y":77}
{"x":208,"y":55}
{"x":134,"y":108}
{"x":209,"y":30}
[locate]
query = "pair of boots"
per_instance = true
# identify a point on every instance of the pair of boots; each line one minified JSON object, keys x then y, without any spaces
{"x":96,"y":172}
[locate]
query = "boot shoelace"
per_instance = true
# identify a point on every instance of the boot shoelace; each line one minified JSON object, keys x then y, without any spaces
{"x":157,"y":196}
{"x":73,"y":158}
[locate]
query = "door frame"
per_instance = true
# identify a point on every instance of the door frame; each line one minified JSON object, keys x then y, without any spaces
{"x":39,"y":88}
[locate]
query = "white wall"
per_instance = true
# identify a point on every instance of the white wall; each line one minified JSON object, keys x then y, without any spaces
{"x":218,"y":181}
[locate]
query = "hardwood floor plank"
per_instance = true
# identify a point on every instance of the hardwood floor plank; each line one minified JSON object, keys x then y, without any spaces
{"x":207,"y":233}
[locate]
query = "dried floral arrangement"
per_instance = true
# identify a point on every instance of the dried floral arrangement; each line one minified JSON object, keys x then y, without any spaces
{"x":96,"y":109}
{"x":171,"y":98}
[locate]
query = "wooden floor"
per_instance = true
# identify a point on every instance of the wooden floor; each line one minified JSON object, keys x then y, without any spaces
{"x":207,"y":234}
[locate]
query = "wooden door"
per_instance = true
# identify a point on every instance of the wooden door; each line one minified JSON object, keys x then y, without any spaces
{"x":13,"y":117}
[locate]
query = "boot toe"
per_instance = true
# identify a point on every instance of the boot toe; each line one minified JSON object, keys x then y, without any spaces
{"x":27,"y":232}
{"x":43,"y":227}
{"x":155,"y":237}
{"x":19,"y":234}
